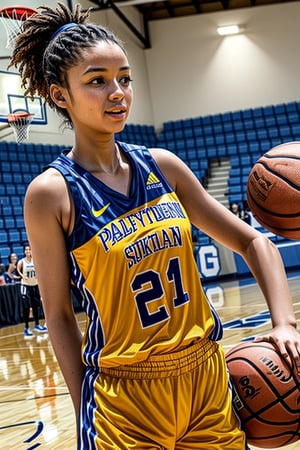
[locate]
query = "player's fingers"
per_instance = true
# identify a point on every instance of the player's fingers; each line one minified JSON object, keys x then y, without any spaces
{"x":291,"y":353}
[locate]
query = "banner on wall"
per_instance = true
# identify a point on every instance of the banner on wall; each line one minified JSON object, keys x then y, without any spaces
{"x":215,"y":261}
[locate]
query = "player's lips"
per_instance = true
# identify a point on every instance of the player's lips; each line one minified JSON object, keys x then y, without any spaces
{"x":117,"y":111}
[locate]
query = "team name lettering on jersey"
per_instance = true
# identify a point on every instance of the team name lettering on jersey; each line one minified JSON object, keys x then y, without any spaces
{"x":117,"y":230}
{"x":152,"y":243}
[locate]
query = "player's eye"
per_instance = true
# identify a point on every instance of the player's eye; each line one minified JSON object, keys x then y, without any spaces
{"x":97,"y":81}
{"x":126,"y":80}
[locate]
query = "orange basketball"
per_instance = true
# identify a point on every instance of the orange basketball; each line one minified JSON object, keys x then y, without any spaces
{"x":266,"y":394}
{"x":273,"y":190}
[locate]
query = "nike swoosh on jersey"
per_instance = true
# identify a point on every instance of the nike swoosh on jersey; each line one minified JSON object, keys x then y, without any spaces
{"x":100,"y":211}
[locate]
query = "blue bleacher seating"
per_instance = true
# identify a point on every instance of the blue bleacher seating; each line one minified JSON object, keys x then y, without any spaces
{"x":219,"y":139}
{"x":281,"y":119}
{"x":14,"y":236}
{"x":279,"y":109}
{"x":249,"y":124}
{"x":209,"y":141}
{"x":292,"y":107}
{"x":242,"y":135}
{"x":15,"y":200}
{"x":7,"y":178}
{"x":17,"y":210}
{"x":238,"y":125}
{"x":285,"y":132}
{"x":234,"y":181}
{"x":226,"y":117}
{"x":10,"y":189}
{"x":218,"y":129}
{"x":4,"y":201}
{"x":3,"y":237}
{"x":208,"y":130}
{"x":261,"y":133}
{"x":7,"y":210}
{"x":270,"y":122}
{"x":216,"y":119}
{"x":251,"y":135}
{"x":293,"y":118}
{"x":257,"y":112}
{"x":5,"y":166}
{"x":19,"y":221}
{"x":230,"y":138}
{"x":243,"y":147}
{"x":221,"y":151}
{"x":295,"y":130}
{"x":23,"y":236}
{"x":273,"y":132}
{"x":211,"y":151}
{"x":19,"y":249}
{"x":4,"y":250}
{"x":265,"y":145}
{"x":227,"y":127}
{"x":247,"y":114}
{"x":259,"y":122}
{"x":254,"y":147}
{"x":268,"y":111}
{"x":9,"y":222}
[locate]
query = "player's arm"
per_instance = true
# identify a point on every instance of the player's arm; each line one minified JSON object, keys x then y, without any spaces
{"x":48,"y":219}
{"x":260,"y":254}
{"x":10,"y":272}
{"x":20,"y":268}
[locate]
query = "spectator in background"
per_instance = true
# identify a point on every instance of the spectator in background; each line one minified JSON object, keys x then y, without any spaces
{"x":2,"y":273}
{"x":236,"y":209}
{"x":11,"y":275}
{"x":30,"y":293}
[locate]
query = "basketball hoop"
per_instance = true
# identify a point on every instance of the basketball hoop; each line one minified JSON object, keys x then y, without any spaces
{"x":20,"y":122}
{"x":12,"y":18}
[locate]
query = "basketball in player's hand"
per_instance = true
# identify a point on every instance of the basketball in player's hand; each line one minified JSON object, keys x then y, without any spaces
{"x":266,"y":394}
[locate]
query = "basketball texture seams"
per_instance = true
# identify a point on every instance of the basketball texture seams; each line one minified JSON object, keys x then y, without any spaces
{"x":273,"y":190}
{"x":266,"y":394}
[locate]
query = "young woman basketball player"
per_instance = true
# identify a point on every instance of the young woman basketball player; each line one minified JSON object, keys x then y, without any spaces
{"x":148,"y":372}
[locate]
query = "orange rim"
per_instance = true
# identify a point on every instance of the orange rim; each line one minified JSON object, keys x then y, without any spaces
{"x":19,"y":12}
{"x":12,"y":117}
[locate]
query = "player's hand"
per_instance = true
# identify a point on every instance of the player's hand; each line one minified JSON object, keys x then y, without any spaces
{"x":287,"y":339}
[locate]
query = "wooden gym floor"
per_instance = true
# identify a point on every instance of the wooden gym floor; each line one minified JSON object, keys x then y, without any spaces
{"x":35,"y":407}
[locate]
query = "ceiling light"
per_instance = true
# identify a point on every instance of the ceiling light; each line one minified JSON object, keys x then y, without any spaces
{"x":229,"y":29}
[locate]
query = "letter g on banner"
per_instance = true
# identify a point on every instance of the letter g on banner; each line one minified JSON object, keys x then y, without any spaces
{"x":209,"y":261}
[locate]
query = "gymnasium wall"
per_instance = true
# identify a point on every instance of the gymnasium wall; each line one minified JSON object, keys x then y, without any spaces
{"x":208,"y":74}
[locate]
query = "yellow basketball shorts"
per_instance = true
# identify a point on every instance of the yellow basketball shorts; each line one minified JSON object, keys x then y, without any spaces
{"x":176,"y":401}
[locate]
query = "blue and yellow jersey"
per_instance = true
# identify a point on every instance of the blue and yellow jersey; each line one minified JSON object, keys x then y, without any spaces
{"x":132,"y":261}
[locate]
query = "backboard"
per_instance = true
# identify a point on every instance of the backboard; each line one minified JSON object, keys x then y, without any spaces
{"x":12,"y":99}
{"x":11,"y":94}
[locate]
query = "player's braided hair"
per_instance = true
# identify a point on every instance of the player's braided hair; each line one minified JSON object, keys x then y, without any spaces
{"x":43,"y":58}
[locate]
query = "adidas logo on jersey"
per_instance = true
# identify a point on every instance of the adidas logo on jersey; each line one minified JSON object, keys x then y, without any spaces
{"x":153,"y":182}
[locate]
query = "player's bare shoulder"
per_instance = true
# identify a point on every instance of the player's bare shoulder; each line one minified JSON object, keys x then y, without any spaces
{"x":48,"y":188}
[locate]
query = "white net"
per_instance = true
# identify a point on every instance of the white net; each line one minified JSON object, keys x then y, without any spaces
{"x":20,"y":125}
{"x":12,"y":19}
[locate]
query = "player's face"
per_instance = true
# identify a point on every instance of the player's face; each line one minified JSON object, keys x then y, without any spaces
{"x":100,"y":93}
{"x":13,"y":258}
{"x":27,"y":251}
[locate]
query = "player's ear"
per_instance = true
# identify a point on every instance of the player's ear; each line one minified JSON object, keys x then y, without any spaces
{"x":58,"y":95}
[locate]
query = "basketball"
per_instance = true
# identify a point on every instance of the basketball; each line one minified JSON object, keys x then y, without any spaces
{"x":266,"y":394}
{"x":273,"y":190}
